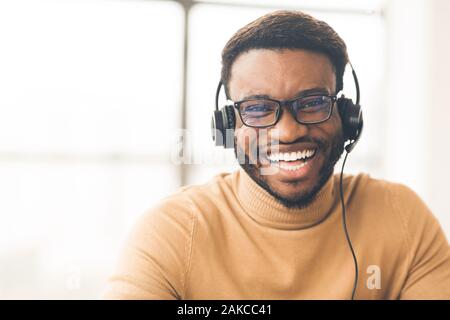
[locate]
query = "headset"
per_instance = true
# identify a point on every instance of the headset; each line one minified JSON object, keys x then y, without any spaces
{"x":224,"y":121}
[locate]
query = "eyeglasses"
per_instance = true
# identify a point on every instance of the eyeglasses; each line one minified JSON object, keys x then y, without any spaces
{"x":310,"y":109}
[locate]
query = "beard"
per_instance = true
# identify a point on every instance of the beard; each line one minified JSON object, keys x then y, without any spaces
{"x":303,"y":199}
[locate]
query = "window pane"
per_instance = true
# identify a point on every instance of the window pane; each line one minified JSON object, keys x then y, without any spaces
{"x":89,"y":76}
{"x":59,"y":218}
{"x":80,"y":78}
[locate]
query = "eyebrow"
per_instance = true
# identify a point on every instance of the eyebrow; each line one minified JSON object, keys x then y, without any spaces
{"x":299,"y":94}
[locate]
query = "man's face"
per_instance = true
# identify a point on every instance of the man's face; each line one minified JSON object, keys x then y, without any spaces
{"x":283,"y":75}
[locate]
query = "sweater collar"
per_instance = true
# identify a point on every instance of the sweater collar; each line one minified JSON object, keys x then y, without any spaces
{"x":266,"y":210}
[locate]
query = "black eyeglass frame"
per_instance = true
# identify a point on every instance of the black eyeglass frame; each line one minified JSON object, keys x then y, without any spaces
{"x":288,"y":103}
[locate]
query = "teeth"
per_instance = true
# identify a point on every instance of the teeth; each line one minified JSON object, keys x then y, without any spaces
{"x":292,"y":168}
{"x":275,"y":157}
{"x":293,"y":156}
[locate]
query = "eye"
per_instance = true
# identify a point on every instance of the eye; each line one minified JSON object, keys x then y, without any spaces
{"x":313,"y":104}
{"x":258,"y":108}
{"x":258,"y":112}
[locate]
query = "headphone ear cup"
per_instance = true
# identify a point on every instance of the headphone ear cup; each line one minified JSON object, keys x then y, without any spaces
{"x":229,"y":117}
{"x":222,"y":124}
{"x":229,"y":120}
{"x":351,"y":117}
{"x":217,"y":128}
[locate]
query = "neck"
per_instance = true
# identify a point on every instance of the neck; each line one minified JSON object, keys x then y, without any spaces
{"x":267,"y":210}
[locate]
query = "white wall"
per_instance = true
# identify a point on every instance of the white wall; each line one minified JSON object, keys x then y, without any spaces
{"x":417,"y":150}
{"x":438,"y":174}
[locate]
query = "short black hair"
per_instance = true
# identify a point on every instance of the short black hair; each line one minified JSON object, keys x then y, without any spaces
{"x":286,"y":29}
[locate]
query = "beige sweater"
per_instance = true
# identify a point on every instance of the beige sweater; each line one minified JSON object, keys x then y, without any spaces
{"x":230,"y":239}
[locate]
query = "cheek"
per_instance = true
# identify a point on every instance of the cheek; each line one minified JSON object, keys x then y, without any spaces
{"x":333,"y":126}
{"x":245,"y":137}
{"x":238,"y":119}
{"x":247,"y":142}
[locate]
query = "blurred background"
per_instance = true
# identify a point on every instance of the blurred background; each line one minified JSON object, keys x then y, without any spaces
{"x":93,"y":93}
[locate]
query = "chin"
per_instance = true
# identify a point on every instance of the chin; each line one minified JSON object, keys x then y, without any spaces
{"x":290,"y":193}
{"x":295,"y":184}
{"x":290,"y":190}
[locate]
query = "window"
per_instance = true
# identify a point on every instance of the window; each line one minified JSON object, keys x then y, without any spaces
{"x":81,"y":152}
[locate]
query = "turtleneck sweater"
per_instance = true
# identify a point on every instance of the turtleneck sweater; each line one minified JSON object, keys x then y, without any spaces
{"x":230,"y":239}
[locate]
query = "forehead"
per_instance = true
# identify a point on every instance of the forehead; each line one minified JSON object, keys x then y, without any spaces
{"x":280,"y":74}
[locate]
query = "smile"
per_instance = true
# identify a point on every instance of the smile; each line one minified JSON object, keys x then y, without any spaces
{"x":292,"y":161}
{"x":292,"y":156}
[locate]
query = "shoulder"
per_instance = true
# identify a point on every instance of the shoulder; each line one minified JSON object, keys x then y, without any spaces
{"x":394,"y":194}
{"x":157,"y":252}
{"x":401,"y":198}
{"x":388,"y":202}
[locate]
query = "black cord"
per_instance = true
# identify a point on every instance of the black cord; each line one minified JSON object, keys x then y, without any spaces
{"x":346,"y":231}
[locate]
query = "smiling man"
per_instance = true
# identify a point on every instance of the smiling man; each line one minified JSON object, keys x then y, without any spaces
{"x":273,"y":229}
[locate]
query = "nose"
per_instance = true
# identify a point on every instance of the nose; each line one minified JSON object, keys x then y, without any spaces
{"x":288,"y":129}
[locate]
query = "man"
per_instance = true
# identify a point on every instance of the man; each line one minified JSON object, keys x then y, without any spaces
{"x":279,"y":235}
